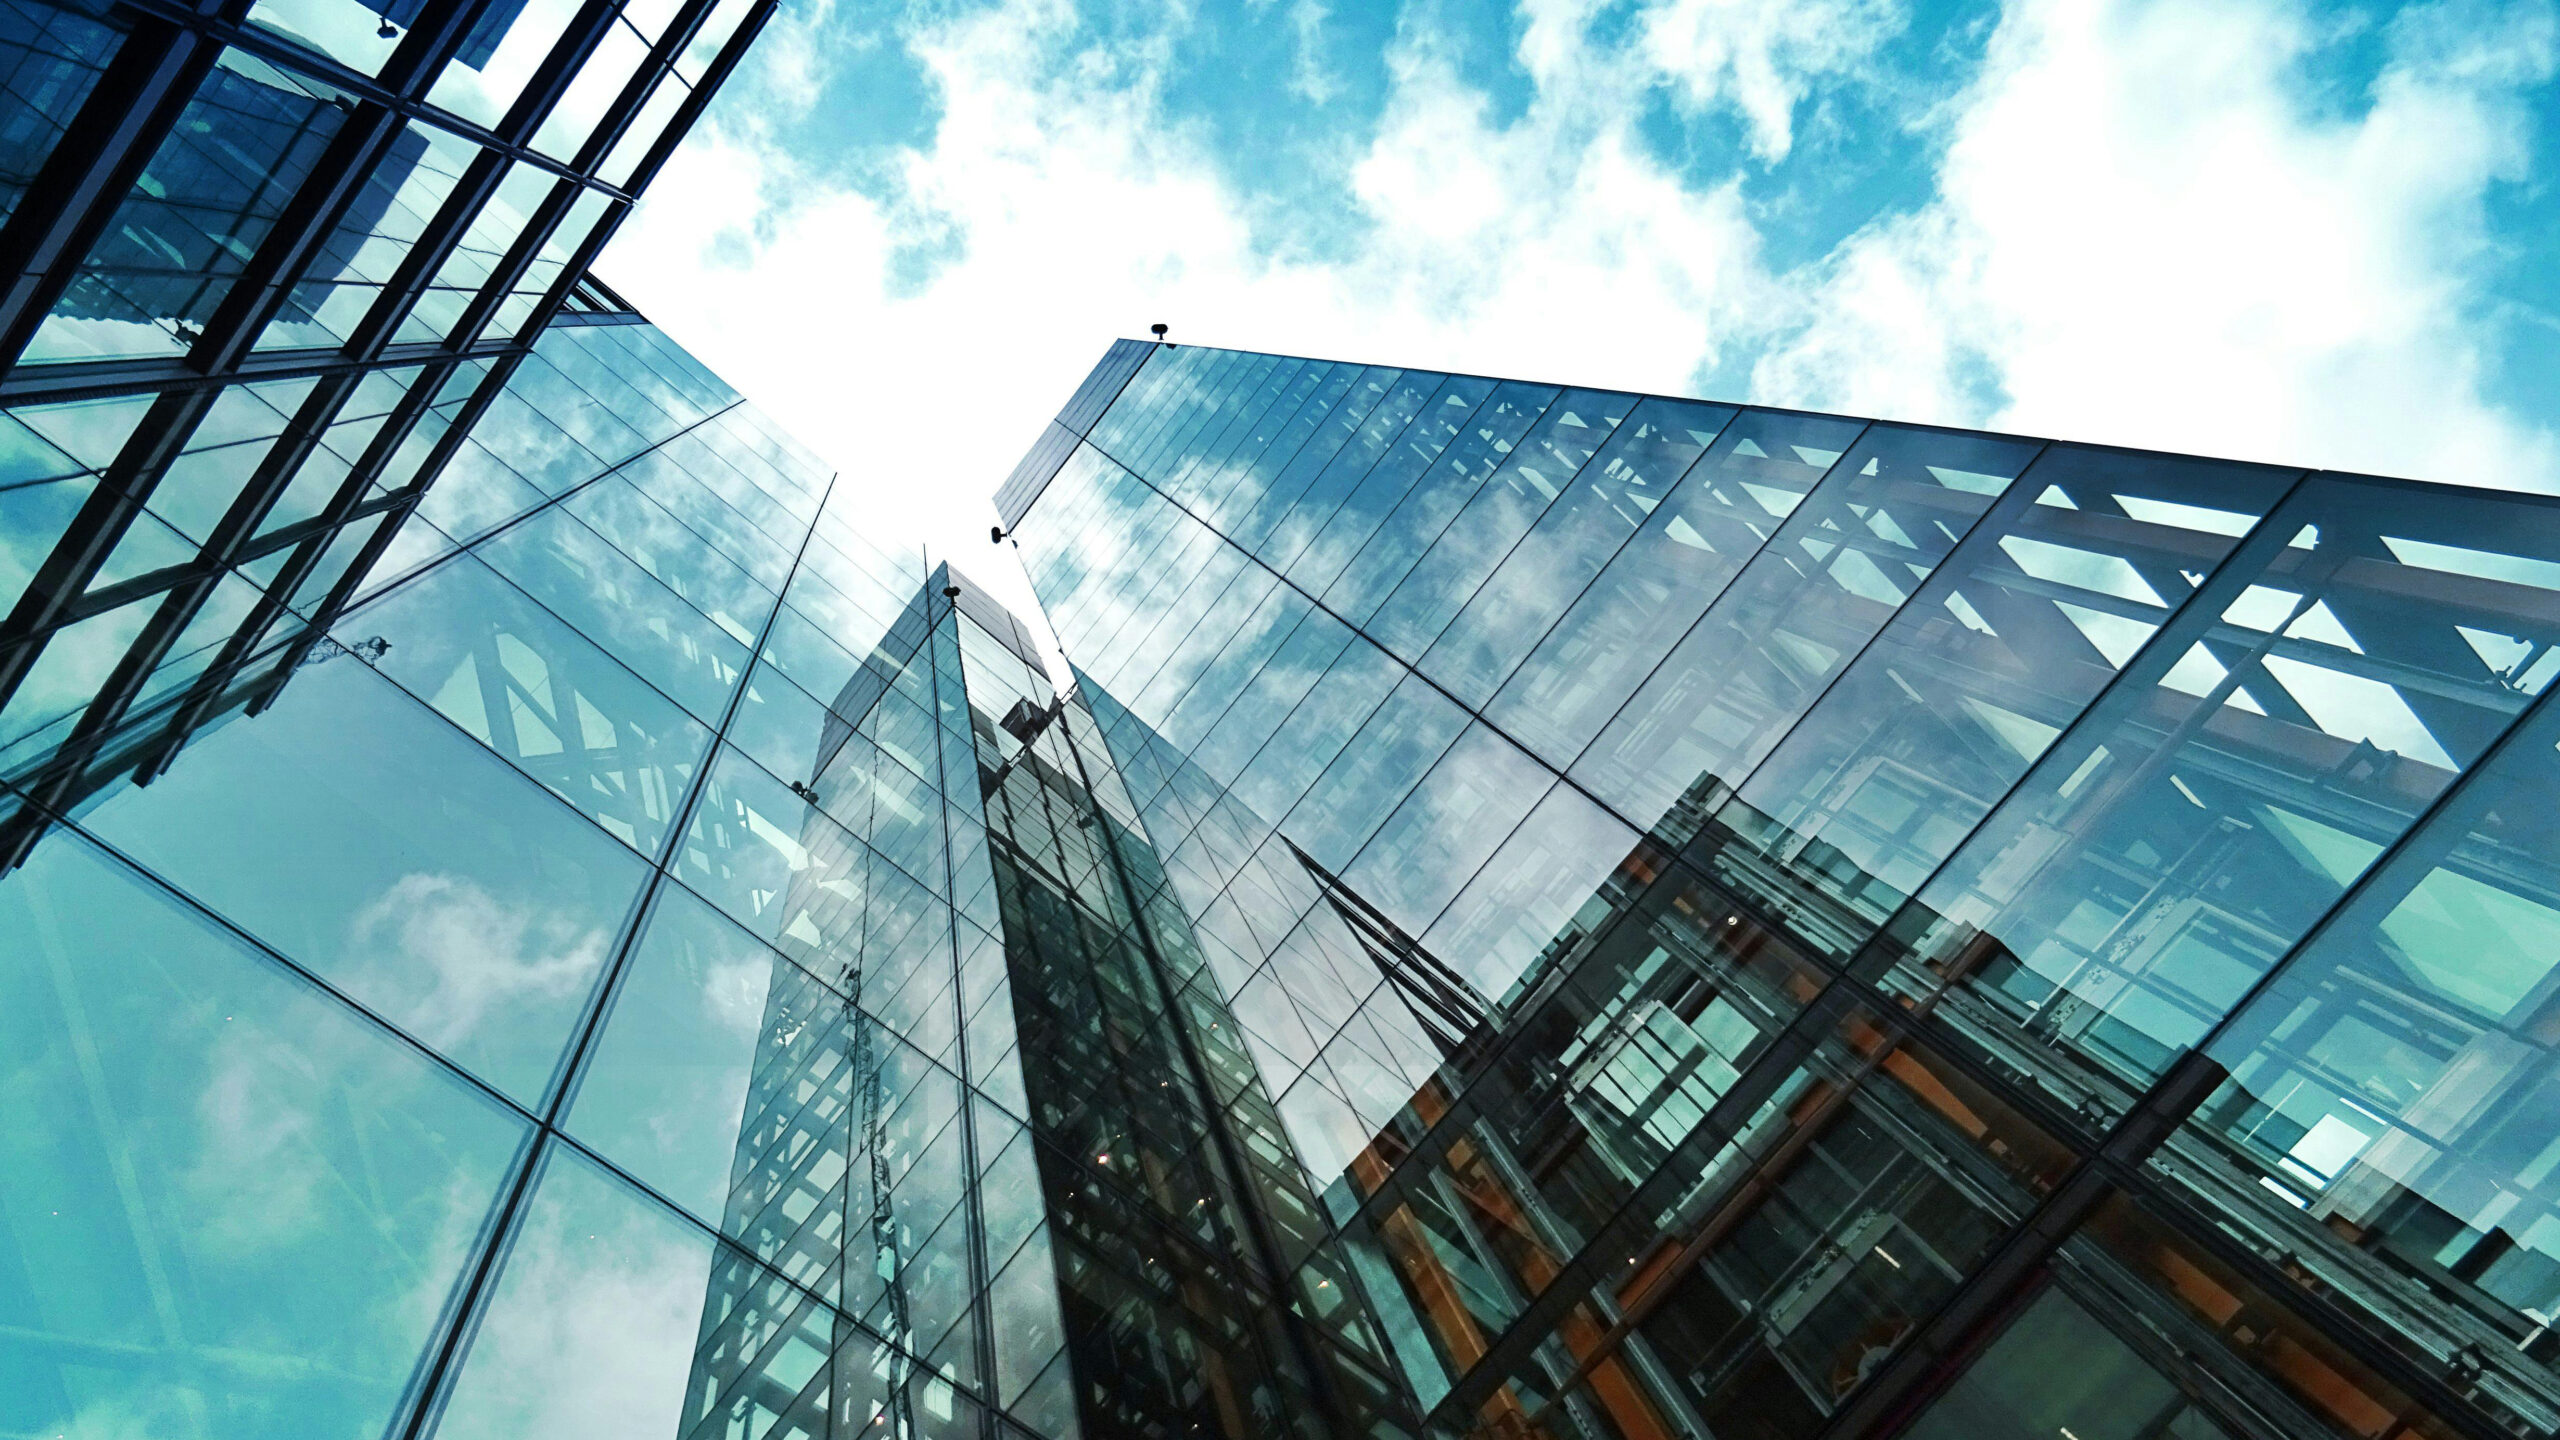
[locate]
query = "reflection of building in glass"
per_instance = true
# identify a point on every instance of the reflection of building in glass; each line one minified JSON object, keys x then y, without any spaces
{"x":1788,"y":926}
{"x":1541,"y":912}
{"x":1174,"y":1209}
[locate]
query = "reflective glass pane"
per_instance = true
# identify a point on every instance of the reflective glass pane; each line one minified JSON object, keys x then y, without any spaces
{"x":527,"y":686}
{"x":366,"y":839}
{"x":208,"y":197}
{"x":1634,"y":484}
{"x":620,"y":606}
{"x":615,"y":1317}
{"x":233,"y":1207}
{"x":703,"y":1016}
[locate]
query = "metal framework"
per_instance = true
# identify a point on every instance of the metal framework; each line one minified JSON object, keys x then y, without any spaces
{"x":166,"y":55}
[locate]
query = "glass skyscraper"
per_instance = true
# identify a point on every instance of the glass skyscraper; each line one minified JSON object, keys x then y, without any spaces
{"x":1536,"y":912}
{"x":1763,"y":924}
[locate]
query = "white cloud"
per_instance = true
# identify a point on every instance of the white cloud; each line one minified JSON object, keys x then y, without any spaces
{"x":2144,"y":228}
{"x":457,"y":955}
{"x":2148,"y":230}
{"x":1078,"y":209}
{"x":1763,"y":56}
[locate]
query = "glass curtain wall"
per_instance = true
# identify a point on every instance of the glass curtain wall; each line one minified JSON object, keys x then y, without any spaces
{"x":1767,"y":924}
{"x":1178,"y":1217}
{"x":549,"y":1012}
{"x":264,"y":265}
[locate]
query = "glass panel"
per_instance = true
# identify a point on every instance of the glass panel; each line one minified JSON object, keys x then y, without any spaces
{"x":532,"y":446}
{"x":1998,"y":651}
{"x":598,"y":84}
{"x":1491,"y":434}
{"x":1447,"y":826}
{"x":704,"y":1016}
{"x":475,"y":493}
{"x":615,"y":1318}
{"x":232,"y":1207}
{"x":1634,"y":483}
{"x":367,"y":840}
{"x":1775,"y":637}
{"x":241,"y":150}
{"x":1520,"y":904}
{"x":525,"y":685}
{"x":76,"y":664}
{"x":1531,"y":477}
{"x":1391,"y":752}
{"x":2056,"y":1369}
{"x":573,"y":572}
{"x":50,"y":56}
{"x":2286,"y":729}
{"x":407,"y":185}
{"x":32,"y":519}
{"x":359,"y":34}
{"x":499,"y":57}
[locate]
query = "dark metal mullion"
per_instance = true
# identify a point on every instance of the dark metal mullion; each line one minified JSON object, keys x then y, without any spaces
{"x":682,"y":121}
{"x":432,"y":1386}
{"x":425,"y":259}
{"x":185,"y":599}
{"x":1921,"y":1366}
{"x":94,"y":533}
{"x":129,"y":113}
{"x":480,"y":185}
{"x":54,"y":383}
{"x":981,"y":1264}
{"x":325,"y":614}
{"x":659,"y":63}
{"x":272,"y":603}
{"x":309,"y":220}
{"x":713,"y":77}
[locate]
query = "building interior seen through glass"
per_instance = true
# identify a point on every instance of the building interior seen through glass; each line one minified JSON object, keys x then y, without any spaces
{"x":1512,"y":912}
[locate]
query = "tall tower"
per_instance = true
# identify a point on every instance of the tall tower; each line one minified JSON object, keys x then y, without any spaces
{"x":1783,"y":925}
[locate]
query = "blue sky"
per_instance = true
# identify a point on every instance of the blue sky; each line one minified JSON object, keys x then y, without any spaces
{"x":2319,"y":235}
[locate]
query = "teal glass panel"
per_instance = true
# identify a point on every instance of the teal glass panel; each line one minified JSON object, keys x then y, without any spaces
{"x":619,"y":605}
{"x":539,"y":694}
{"x":703,"y":1016}
{"x":644,"y":530}
{"x":249,"y":136}
{"x":366,"y":839}
{"x":615,"y":1317}
{"x":1379,"y":768}
{"x":1681,"y":550}
{"x":1840,"y":564}
{"x":1532,"y":476}
{"x":1397,"y":543}
{"x":1634,"y":484}
{"x":2344,"y":670}
{"x":1448,"y":825}
{"x":777,"y":865}
{"x":229,"y":1206}
{"x":32,"y":518}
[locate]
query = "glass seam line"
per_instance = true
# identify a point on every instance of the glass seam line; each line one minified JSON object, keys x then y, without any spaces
{"x":285,"y":55}
{"x":1849,"y":968}
{"x":461,"y":547}
{"x":443,"y":1353}
{"x":980,"y":1308}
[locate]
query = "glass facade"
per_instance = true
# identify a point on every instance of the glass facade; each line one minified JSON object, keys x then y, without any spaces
{"x":1759,"y":924}
{"x":1542,"y":912}
{"x":498,"y":932}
